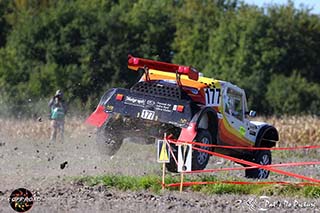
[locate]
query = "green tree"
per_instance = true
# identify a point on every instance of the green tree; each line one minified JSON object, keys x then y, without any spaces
{"x":250,"y":44}
{"x":240,"y":52}
{"x":296,"y":33}
{"x":4,"y":24}
{"x":194,"y":22}
{"x":70,"y":46}
{"x":293,"y":95}
{"x":150,"y":32}
{"x":82,"y":47}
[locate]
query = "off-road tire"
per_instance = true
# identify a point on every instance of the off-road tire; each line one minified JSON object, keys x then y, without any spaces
{"x":108,"y":143}
{"x":262,"y":157}
{"x":199,"y":159}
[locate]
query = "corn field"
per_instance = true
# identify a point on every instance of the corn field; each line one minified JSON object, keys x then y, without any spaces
{"x":39,"y":129}
{"x":296,"y":130}
{"x":293,"y":130}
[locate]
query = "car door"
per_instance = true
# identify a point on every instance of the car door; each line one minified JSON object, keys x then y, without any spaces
{"x":234,"y":126}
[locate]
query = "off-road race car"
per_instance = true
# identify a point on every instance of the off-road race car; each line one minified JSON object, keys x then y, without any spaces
{"x":178,"y":101}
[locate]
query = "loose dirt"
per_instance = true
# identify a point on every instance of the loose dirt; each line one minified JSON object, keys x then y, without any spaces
{"x":48,"y":170}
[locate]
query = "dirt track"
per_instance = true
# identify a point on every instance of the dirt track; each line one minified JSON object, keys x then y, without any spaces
{"x":46,"y":169}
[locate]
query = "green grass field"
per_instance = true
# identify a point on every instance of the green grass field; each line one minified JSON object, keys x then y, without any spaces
{"x":153,"y":183}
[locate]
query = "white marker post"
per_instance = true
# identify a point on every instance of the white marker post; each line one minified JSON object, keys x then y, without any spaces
{"x":184,"y":161}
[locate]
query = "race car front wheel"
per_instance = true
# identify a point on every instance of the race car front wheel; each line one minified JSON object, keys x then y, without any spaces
{"x":262,"y":157}
{"x":200,"y":159}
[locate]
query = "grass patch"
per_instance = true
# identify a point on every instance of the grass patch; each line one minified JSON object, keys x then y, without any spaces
{"x":153,"y":183}
{"x":297,"y":154}
{"x":227,"y":189}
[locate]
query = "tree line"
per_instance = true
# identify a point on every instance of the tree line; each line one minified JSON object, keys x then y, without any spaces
{"x":81,"y":47}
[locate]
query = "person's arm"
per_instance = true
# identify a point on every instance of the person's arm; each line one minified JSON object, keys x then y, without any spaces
{"x":65,"y":107}
{"x":51,"y":103}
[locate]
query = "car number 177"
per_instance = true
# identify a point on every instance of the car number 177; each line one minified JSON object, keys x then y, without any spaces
{"x":147,"y":114}
{"x":212,"y":96}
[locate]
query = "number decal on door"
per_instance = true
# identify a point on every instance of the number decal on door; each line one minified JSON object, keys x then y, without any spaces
{"x":213,"y":96}
{"x":147,"y":114}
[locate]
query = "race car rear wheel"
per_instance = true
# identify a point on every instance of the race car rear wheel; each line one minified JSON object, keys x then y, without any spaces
{"x":108,"y":143}
{"x":262,"y":157}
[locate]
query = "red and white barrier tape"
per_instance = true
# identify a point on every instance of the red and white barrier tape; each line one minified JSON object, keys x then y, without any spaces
{"x":251,"y":165}
{"x":241,"y":183}
{"x":265,"y":167}
{"x":241,"y":147}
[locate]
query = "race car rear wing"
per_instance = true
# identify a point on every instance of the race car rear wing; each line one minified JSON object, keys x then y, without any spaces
{"x":135,"y":63}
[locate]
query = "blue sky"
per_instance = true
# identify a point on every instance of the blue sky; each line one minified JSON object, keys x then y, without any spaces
{"x":310,"y":3}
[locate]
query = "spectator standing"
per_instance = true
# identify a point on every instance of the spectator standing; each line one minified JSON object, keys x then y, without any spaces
{"x":58,"y":111}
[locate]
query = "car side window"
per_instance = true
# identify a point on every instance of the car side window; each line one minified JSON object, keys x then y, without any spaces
{"x":234,"y":103}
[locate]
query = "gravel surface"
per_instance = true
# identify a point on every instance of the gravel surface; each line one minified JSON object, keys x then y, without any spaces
{"x":48,"y":170}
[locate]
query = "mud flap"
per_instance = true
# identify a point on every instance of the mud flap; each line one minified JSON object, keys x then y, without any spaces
{"x":98,"y":117}
{"x":189,"y":133}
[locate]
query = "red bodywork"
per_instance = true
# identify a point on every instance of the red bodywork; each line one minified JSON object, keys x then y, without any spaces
{"x":189,"y":133}
{"x":98,"y":117}
{"x":162,"y":66}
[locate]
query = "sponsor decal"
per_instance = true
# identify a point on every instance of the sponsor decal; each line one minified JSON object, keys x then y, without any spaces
{"x":109,"y":108}
{"x":165,"y":107}
{"x":177,"y":124}
{"x":183,"y":120}
{"x":135,"y":101}
{"x":252,"y":132}
{"x":194,"y":91}
{"x":242,"y":130}
{"x":151,"y":102}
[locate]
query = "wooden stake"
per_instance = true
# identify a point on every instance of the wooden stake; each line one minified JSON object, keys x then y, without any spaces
{"x":163,"y":174}
{"x":181,"y":181}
